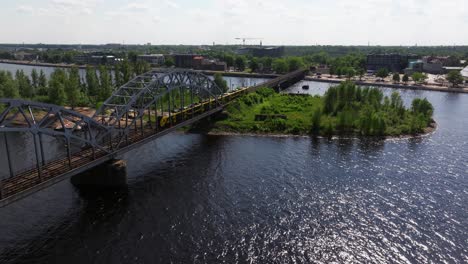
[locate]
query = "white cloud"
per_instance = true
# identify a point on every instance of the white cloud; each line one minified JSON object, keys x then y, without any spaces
{"x":25,"y":9}
{"x":344,"y":22}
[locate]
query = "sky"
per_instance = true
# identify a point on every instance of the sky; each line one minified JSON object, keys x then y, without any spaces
{"x":278,"y":22}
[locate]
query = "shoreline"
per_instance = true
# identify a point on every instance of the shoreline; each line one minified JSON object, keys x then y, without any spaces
{"x":391,"y":85}
{"x":43,"y":64}
{"x":431,"y":129}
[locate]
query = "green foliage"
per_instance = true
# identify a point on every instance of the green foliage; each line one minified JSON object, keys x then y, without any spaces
{"x":218,"y":79}
{"x":382,"y":73}
{"x":295,"y":63}
{"x":253,"y":64}
{"x":24,"y":85}
{"x":92,"y":81}
{"x":105,"y":81}
{"x":169,"y":62}
{"x":240,"y":63}
{"x":280,"y":66}
{"x":405,"y":78}
{"x":56,"y":90}
{"x":8,"y":86}
{"x":316,"y":121}
{"x":419,"y":77}
{"x":345,"y":109}
{"x":455,"y":78}
{"x":72,"y":87}
{"x":396,"y":77}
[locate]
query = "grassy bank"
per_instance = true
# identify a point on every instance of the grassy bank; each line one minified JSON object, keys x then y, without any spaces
{"x":344,"y":110}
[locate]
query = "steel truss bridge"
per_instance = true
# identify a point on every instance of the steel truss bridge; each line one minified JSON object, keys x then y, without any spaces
{"x":149,"y":106}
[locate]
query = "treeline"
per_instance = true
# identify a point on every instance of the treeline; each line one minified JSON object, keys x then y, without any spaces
{"x":257,"y":64}
{"x":349,"y":109}
{"x":67,"y":87}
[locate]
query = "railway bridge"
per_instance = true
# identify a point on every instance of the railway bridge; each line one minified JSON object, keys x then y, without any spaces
{"x":147,"y":107}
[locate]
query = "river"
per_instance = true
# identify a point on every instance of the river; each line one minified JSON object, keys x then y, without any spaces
{"x":232,"y":82}
{"x":243,"y":199}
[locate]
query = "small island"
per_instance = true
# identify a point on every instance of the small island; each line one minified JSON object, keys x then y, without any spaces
{"x":344,"y":110}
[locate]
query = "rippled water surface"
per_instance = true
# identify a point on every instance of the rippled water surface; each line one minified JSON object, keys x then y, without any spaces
{"x":235,"y":199}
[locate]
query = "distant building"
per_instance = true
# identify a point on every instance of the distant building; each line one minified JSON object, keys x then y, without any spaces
{"x":273,"y":52}
{"x":321,"y":69}
{"x":414,"y":66}
{"x":152,"y":59}
{"x":95,"y":59}
{"x":464,"y":73}
{"x":185,"y":60}
{"x":213,"y":65}
{"x":449,"y":69}
{"x":436,"y":64}
{"x":101,"y":59}
{"x":391,"y":62}
{"x":433,"y":65}
{"x":24,"y":56}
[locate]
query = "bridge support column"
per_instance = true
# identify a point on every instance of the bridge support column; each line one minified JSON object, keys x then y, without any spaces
{"x":112,"y":174}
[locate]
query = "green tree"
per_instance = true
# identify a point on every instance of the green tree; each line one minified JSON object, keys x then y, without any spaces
{"x":218,"y":79}
{"x":316,"y":121}
{"x":142,"y":67}
{"x":422,"y":106}
{"x":396,"y":78}
{"x":229,"y":59}
{"x":267,"y":62}
{"x":295,"y":63}
{"x":92,"y":82}
{"x":253,"y":64}
{"x":42,"y":84}
{"x":419,"y":77}
{"x":240,"y":63}
{"x":455,"y":78}
{"x":34,"y":78}
{"x":280,"y":66}
{"x":56,"y":89}
{"x":405,"y":78}
{"x":350,"y":72}
{"x":106,"y":83}
{"x":169,"y":61}
{"x":72,"y":87}
{"x":126,"y":71}
{"x":382,"y":73}
{"x":361,"y":73}
{"x":24,"y":84}
{"x":8,"y":85}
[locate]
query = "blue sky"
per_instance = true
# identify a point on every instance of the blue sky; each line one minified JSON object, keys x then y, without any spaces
{"x":288,"y":22}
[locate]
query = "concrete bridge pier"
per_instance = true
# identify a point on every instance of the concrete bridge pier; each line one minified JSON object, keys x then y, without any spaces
{"x":109,"y":175}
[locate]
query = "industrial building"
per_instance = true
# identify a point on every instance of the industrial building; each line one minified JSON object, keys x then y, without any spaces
{"x":197,"y":62}
{"x":439,"y":65}
{"x":391,"y":62}
{"x":152,"y":59}
{"x":464,"y":73}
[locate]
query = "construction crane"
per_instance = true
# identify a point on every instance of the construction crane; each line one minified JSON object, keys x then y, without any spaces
{"x":243,"y":40}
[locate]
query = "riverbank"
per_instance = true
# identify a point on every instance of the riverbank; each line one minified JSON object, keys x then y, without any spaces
{"x":431,"y":129}
{"x":42,"y":64}
{"x":391,"y":85}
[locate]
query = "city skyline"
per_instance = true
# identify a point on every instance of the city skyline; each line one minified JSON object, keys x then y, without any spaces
{"x":297,"y":22}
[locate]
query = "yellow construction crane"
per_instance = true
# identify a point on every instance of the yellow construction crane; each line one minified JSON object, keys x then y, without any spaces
{"x":243,"y":40}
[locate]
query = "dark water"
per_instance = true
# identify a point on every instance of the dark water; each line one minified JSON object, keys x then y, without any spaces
{"x":235,"y":199}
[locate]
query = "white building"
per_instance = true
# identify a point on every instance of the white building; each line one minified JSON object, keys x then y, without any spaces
{"x":464,"y":73}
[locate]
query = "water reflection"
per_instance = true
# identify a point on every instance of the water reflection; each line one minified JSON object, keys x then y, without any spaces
{"x":236,"y":199}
